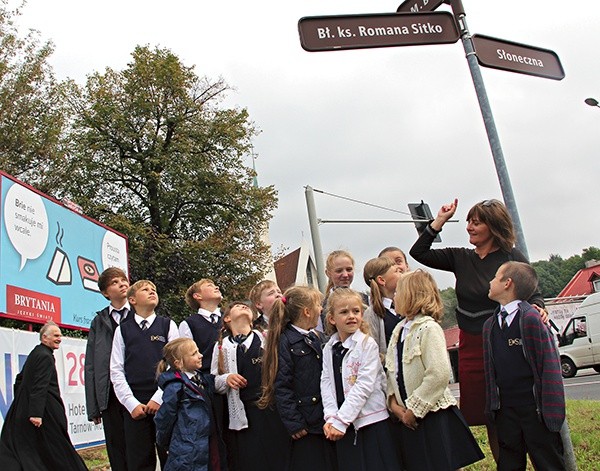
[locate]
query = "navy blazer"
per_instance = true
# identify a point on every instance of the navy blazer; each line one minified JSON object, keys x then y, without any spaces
{"x":298,"y":382}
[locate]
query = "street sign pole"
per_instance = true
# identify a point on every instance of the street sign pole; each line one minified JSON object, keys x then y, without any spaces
{"x":490,"y":125}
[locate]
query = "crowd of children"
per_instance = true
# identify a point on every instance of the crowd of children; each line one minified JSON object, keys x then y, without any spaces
{"x":302,"y":381}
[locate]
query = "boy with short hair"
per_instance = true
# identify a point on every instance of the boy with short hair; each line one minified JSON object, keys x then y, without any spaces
{"x":263,"y":296}
{"x":101,"y":402}
{"x":524,"y":388}
{"x":137,"y":349}
{"x":205,"y":325}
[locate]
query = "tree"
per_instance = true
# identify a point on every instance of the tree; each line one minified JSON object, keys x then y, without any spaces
{"x":154,"y":156}
{"x":556,"y":272}
{"x":450,"y":304}
{"x":31,"y":115}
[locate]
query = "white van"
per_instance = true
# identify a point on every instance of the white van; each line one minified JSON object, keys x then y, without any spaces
{"x":579,"y":343}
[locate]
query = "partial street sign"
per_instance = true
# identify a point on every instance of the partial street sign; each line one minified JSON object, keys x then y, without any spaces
{"x":416,"y":6}
{"x":330,"y":33}
{"x":516,"y":57}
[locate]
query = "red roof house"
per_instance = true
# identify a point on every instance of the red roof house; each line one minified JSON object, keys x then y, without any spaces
{"x":586,"y":281}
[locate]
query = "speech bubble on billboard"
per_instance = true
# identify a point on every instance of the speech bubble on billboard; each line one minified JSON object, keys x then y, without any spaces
{"x":26,"y":222}
{"x":114,"y":251}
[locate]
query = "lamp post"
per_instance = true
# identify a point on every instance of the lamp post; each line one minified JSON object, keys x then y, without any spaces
{"x":592,"y":102}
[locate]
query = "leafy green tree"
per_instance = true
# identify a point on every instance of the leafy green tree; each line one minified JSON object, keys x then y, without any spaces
{"x":31,"y":115}
{"x":556,"y":272}
{"x":154,"y":155}
{"x":450,"y":303}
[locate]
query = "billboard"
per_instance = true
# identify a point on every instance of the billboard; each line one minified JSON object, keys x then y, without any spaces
{"x":51,"y":257}
{"x":15,"y":346}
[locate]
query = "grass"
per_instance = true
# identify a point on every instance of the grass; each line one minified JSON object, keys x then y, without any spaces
{"x":584,"y":421}
{"x":583,"y":418}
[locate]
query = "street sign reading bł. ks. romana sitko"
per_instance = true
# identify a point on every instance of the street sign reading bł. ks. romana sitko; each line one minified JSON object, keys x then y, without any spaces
{"x":330,"y":33}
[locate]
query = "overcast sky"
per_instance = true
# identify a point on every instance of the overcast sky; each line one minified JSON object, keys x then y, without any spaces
{"x":389,"y":126}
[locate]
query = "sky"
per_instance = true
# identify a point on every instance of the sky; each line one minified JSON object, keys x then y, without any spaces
{"x":389,"y":126}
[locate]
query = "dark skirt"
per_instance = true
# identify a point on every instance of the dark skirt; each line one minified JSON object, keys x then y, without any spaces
{"x":264,"y":445}
{"x":370,"y":448}
{"x":441,"y":442}
{"x":313,"y":452}
{"x":472,"y":378}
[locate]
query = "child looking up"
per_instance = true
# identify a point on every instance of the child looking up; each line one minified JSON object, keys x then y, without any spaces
{"x":434,"y":435}
{"x":185,"y":423}
{"x":382,"y":275}
{"x":263,"y":296}
{"x":524,"y":389}
{"x":353,"y":389}
{"x":398,"y":257}
{"x":205,"y":324}
{"x":101,"y":402}
{"x":256,"y":437}
{"x":292,"y":366}
{"x":136,"y":349}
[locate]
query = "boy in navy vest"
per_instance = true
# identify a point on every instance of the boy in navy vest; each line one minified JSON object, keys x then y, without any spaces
{"x":524,"y":388}
{"x":101,"y":401}
{"x":136,"y":350}
{"x":205,"y":325}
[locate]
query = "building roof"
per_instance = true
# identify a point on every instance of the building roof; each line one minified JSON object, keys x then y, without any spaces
{"x":286,"y":268}
{"x":451,"y":334}
{"x":582,"y":283}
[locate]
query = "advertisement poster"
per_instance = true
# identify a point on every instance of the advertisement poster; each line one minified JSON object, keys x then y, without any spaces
{"x":15,"y":345}
{"x":51,"y":257}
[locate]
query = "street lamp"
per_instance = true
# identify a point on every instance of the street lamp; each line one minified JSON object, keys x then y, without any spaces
{"x":592,"y":102}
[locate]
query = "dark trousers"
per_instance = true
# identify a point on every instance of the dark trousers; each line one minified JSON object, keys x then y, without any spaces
{"x":520,"y":432}
{"x":140,"y":444}
{"x":113,"y":419}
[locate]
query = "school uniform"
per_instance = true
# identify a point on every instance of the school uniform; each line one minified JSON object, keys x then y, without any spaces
{"x":101,"y":401}
{"x":204,"y":328}
{"x":137,"y":349}
{"x":353,"y":391}
{"x":298,"y":398}
{"x":525,"y":401}
{"x":256,"y":437}
{"x":185,"y":423}
{"x":418,"y":372}
{"x":381,"y":328}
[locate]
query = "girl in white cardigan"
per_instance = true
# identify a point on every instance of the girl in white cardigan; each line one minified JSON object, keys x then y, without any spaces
{"x":433,"y":433}
{"x":256,"y":438}
{"x":353,"y":389}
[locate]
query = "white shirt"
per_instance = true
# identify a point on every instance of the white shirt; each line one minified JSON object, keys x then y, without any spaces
{"x":117,"y":365}
{"x":512,"y":308}
{"x":387,"y":303}
{"x":301,"y":330}
{"x":184,"y":328}
{"x":115,"y":315}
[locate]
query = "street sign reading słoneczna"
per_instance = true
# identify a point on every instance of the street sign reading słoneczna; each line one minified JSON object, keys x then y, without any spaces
{"x":516,"y":57}
{"x":329,"y":33}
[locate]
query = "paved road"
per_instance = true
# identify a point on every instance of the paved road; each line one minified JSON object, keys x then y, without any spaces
{"x":585,"y":385}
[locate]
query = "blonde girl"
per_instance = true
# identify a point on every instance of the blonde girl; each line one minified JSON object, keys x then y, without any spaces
{"x":292,"y":366}
{"x":185,"y":421}
{"x":339,"y":268}
{"x":381,"y":276}
{"x":353,"y":389}
{"x":434,"y":434}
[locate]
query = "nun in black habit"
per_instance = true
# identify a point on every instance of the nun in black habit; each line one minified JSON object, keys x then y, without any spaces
{"x":34,"y":436}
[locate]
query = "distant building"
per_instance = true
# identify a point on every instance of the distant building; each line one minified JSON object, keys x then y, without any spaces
{"x":586,"y":281}
{"x":296,"y":268}
{"x":451,"y":334}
